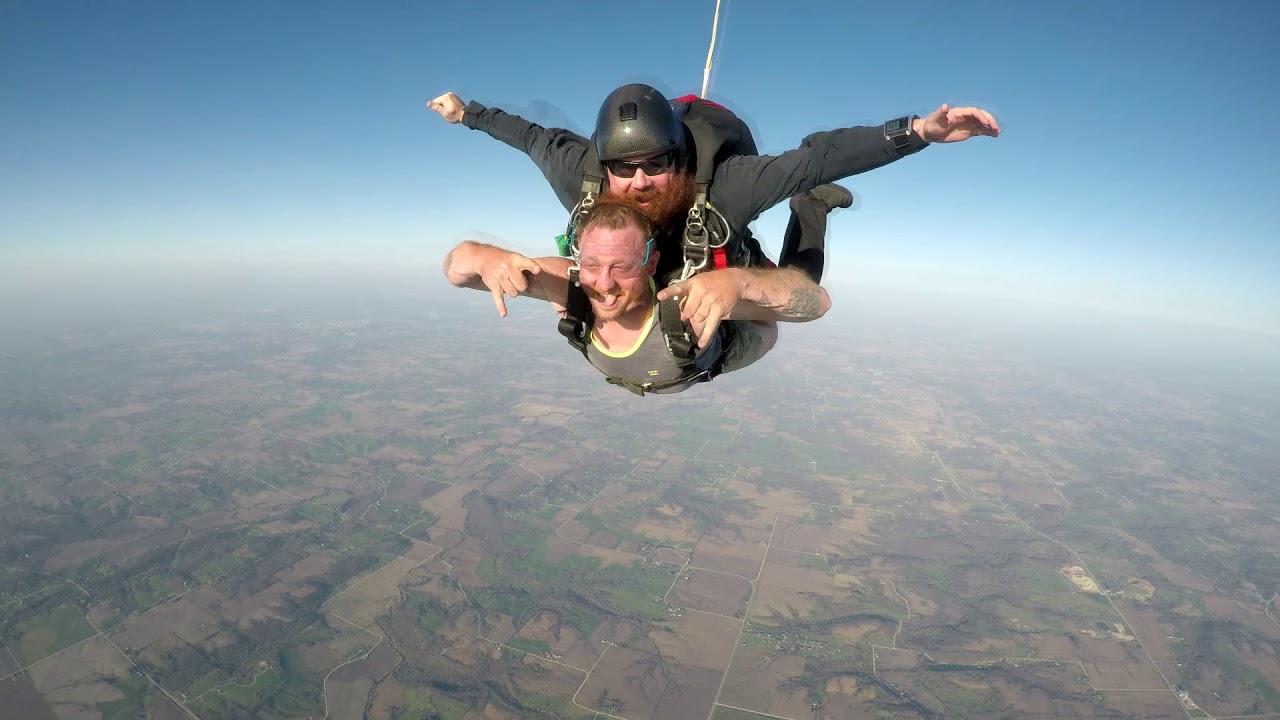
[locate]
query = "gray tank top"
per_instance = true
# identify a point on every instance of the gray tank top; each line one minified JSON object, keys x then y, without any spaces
{"x":648,"y":360}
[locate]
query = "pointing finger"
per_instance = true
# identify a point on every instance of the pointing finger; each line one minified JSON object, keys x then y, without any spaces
{"x":499,"y":301}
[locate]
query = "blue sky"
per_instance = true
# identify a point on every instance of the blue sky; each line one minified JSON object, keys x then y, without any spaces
{"x":1135,"y":173}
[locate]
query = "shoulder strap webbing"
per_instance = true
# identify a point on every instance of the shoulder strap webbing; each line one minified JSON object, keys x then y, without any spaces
{"x":679,"y":339}
{"x":576,"y":323}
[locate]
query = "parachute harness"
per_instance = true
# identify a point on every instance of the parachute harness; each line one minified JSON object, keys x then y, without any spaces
{"x":699,"y":241}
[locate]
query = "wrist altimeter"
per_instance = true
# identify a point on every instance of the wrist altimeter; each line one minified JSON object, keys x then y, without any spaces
{"x":898,"y":131}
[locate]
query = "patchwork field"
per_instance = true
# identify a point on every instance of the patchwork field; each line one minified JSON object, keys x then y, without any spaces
{"x":288,"y":517}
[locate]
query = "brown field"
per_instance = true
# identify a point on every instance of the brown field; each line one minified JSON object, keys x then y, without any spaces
{"x":388,"y":697}
{"x":1145,"y":624}
{"x":696,"y":639}
{"x":635,"y":679}
{"x":49,"y":492}
{"x":1263,"y":658}
{"x":558,"y":549}
{"x":14,"y":451}
{"x":576,"y":532}
{"x":74,"y":682}
{"x":409,"y":489}
{"x":1106,"y":650}
{"x":347,"y":698}
{"x":373,"y":595}
{"x":725,"y":550}
{"x":512,"y":480}
{"x":1049,"y":647}
{"x":857,"y":705}
{"x":614,"y":496}
{"x":453,"y":517}
{"x":123,"y":541}
{"x":246,"y":444}
{"x":666,"y":528}
{"x":689,"y":695}
{"x":181,"y":622}
{"x":987,"y":646}
{"x":551,"y":465}
{"x":323,"y":657}
{"x":537,"y":675}
{"x":584,"y":654}
{"x":8,"y":663}
{"x":790,"y":592}
{"x":1030,"y":492}
{"x":1002,"y":691}
{"x":446,"y":500}
{"x":781,"y":499}
{"x":793,"y":534}
{"x":1221,"y":693}
{"x":382,"y":660}
{"x":890,"y":659}
{"x":1148,"y":705}
{"x":864,"y":632}
{"x":1184,"y":578}
{"x":458,"y":467}
{"x":21,"y":698}
{"x":756,"y":525}
{"x":1246,"y":613}
{"x":754,"y":678}
{"x":1124,"y":676}
{"x":546,"y":626}
{"x":420,"y":551}
{"x":711,"y":592}
{"x":464,"y":557}
{"x":529,"y":673}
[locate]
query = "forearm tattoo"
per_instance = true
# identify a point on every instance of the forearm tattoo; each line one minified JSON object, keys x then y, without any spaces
{"x":802,"y":304}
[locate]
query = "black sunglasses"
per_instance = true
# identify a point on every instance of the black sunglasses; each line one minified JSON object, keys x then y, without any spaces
{"x":652,"y":166}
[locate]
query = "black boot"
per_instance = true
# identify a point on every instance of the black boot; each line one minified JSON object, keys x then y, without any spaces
{"x":833,"y":196}
{"x":804,"y":242}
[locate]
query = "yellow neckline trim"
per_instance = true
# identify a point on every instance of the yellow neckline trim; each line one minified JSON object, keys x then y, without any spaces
{"x":648,"y":328}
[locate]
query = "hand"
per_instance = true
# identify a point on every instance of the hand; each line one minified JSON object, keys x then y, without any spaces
{"x":449,"y":106}
{"x":948,"y":124}
{"x":505,"y":277}
{"x":705,"y":300}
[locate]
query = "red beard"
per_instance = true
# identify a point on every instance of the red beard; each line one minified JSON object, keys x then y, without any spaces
{"x":667,"y":209}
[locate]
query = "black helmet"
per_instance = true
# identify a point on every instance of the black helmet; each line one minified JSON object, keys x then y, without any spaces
{"x":636,"y":120}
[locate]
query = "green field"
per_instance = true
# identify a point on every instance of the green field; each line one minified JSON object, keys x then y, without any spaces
{"x":46,"y":634}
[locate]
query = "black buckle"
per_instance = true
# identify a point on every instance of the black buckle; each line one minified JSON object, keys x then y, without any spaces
{"x":682,"y":347}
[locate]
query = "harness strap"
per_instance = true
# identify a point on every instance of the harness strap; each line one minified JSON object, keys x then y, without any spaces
{"x":641,"y":388}
{"x":577,"y":321}
{"x":680,"y":342}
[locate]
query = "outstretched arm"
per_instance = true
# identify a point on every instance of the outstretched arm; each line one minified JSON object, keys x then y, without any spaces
{"x":507,"y":274}
{"x":760,"y":294}
{"x":560,"y":154}
{"x":744,"y":186}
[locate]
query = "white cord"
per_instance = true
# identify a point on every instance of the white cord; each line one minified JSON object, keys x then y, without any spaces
{"x":706,"y":72}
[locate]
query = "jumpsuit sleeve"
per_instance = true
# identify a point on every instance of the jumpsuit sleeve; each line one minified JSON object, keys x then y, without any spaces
{"x":744,"y":186}
{"x":560,"y":154}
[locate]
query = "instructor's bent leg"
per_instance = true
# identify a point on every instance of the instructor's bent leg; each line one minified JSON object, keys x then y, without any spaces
{"x":804,"y":242}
